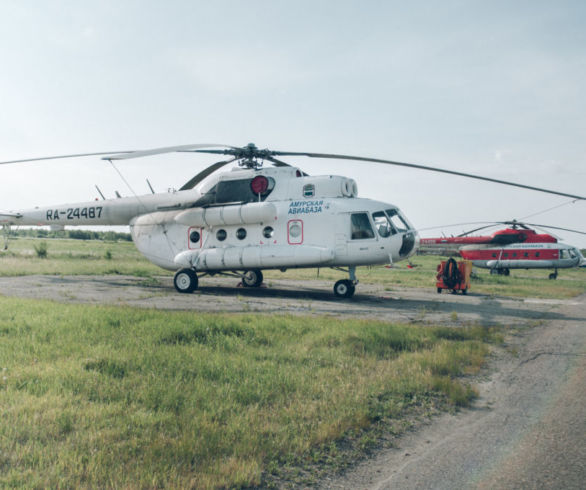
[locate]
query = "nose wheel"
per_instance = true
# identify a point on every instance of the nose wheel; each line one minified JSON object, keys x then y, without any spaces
{"x":554,"y":275}
{"x":345,"y":288}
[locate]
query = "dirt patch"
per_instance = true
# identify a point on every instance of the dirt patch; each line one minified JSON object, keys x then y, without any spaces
{"x":526,"y":430}
{"x":285,"y":296}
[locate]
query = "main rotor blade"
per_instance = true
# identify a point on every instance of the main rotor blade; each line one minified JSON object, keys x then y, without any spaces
{"x":468,"y":223}
{"x":489,"y":224}
{"x":477,"y":229}
{"x":424,"y":167}
{"x":190,"y":184}
{"x":166,"y":149}
{"x":556,"y":228}
{"x":56,"y":157}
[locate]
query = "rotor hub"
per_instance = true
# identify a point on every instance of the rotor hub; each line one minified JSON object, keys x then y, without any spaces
{"x":250,"y":156}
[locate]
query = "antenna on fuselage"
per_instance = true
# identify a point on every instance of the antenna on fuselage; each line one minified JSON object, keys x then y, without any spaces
{"x":150,"y":186}
{"x":100,"y":192}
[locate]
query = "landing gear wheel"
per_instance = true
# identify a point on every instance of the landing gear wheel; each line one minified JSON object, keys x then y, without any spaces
{"x":553,"y":275}
{"x":344,"y":288}
{"x":185,"y":281}
{"x":439,"y":290}
{"x":464,"y":291}
{"x":506,"y":272}
{"x":252,"y":278}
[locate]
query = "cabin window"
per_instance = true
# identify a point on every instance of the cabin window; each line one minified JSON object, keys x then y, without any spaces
{"x":241,"y":233}
{"x":382,"y":224}
{"x":562,"y":254}
{"x":194,"y":236}
{"x":361,"y":228}
{"x":295,"y":232}
{"x":537,"y":254}
{"x":221,"y":235}
{"x":494,"y":255}
{"x":268,"y":231}
{"x":526,"y":254}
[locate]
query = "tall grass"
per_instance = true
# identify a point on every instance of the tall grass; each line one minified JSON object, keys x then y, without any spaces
{"x":98,"y":397}
{"x":74,"y":257}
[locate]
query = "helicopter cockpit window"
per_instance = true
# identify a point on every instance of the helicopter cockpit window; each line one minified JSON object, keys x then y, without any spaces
{"x":361,"y":228}
{"x":244,"y":190}
{"x":572,"y":253}
{"x":397,"y":220}
{"x":233,"y":191}
{"x":382,"y":224}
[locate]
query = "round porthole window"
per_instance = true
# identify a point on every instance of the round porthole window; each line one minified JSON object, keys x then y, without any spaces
{"x":194,"y":236}
{"x":268,"y":231}
{"x":295,"y":230}
{"x":221,"y":235}
{"x":241,"y":233}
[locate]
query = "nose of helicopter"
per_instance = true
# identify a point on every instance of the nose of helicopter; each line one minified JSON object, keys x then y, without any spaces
{"x":410,"y":243}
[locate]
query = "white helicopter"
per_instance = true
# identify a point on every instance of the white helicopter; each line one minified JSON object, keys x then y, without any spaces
{"x":250,"y":219}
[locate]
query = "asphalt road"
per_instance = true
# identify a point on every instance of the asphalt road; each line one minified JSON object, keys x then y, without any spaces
{"x":526,"y":431}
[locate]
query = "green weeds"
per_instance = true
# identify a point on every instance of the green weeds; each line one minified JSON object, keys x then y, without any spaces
{"x":121,"y":397}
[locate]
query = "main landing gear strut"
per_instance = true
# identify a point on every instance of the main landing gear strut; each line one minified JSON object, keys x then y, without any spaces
{"x":186,"y":280}
{"x":6,"y":233}
{"x":345,"y":288}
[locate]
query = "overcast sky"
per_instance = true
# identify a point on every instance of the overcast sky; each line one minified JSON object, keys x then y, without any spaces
{"x":494,"y":88}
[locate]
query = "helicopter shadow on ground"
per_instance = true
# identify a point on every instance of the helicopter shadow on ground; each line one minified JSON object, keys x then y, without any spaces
{"x":474,"y":307}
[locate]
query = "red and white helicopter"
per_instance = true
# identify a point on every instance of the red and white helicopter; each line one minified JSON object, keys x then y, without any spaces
{"x":515,"y":247}
{"x":250,"y":219}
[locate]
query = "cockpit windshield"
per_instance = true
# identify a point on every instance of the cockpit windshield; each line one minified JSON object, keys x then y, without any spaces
{"x":382,"y":224}
{"x":397,"y":220}
{"x":389,"y":222}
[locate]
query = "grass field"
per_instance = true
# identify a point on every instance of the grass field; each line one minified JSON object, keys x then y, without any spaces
{"x":119,"y":397}
{"x":74,"y":257}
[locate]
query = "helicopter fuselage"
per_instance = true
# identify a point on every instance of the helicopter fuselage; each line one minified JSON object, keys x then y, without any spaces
{"x":523,"y":256}
{"x":249,"y":219}
{"x":300,"y":221}
{"x":272,"y":235}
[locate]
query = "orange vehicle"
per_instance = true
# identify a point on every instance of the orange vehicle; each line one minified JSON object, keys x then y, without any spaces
{"x":454,"y":275}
